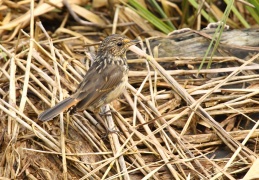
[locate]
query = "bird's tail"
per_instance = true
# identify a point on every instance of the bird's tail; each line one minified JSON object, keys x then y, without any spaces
{"x":57,"y":109}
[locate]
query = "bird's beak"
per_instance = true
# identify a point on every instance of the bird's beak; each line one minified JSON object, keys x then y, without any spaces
{"x":135,"y":41}
{"x":131,"y":42}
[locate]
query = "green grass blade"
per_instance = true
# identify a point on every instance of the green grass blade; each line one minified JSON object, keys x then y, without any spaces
{"x":254,"y":11}
{"x":239,"y":16}
{"x":203,"y":13}
{"x":217,"y":35}
{"x":150,"y":17}
{"x":162,"y":13}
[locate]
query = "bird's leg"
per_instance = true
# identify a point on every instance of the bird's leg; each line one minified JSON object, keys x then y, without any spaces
{"x":111,"y":130}
{"x":107,"y":114}
{"x":108,"y":130}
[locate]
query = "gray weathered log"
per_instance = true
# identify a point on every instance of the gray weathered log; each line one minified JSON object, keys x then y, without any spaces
{"x":239,"y":43}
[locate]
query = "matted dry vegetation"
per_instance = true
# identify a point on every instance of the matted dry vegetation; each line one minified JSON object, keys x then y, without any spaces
{"x":173,"y":122}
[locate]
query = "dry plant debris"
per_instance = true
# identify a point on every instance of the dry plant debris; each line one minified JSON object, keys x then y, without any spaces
{"x":174,"y":122}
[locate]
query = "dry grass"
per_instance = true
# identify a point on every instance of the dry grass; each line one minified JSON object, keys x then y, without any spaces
{"x":173,"y":124}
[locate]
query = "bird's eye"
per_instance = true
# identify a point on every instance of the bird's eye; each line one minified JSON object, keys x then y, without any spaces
{"x":119,"y":44}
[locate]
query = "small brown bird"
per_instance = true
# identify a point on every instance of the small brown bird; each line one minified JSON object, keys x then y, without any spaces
{"x":104,"y":81}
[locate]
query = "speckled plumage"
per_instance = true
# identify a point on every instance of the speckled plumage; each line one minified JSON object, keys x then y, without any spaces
{"x":104,"y":81}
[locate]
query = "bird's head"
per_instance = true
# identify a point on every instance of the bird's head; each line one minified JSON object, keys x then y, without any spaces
{"x":116,"y":45}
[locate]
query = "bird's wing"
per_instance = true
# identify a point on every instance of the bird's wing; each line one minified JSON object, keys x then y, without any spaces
{"x":96,"y":85}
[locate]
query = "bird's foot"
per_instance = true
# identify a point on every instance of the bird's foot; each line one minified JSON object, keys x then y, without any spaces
{"x":109,"y":131}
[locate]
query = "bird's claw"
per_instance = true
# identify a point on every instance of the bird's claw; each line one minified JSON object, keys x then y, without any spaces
{"x":109,"y":131}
